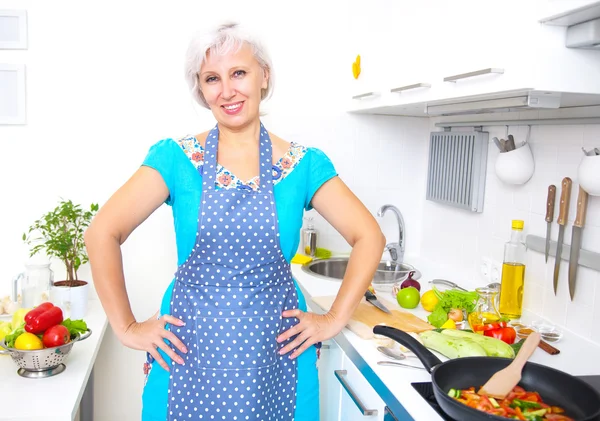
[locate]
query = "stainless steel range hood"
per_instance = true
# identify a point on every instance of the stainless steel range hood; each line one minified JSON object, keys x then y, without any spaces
{"x":501,"y":102}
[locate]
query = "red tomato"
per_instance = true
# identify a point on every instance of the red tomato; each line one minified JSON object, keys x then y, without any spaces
{"x":495,"y":325}
{"x":56,"y":336}
{"x":506,"y":334}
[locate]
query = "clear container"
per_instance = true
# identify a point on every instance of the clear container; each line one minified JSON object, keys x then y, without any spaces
{"x":309,"y":238}
{"x":513,"y":273}
{"x":485,"y":311}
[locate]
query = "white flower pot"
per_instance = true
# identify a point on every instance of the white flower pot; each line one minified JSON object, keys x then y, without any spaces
{"x":73,"y":301}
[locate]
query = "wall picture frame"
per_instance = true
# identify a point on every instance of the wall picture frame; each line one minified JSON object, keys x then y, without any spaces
{"x":12,"y":100}
{"x":13,"y":29}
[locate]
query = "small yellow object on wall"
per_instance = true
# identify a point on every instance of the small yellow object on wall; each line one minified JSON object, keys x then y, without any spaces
{"x":356,"y":67}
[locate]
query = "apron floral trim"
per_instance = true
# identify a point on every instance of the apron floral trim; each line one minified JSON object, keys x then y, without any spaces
{"x":228,"y":180}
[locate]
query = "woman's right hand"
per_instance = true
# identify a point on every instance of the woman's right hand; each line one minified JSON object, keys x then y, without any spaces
{"x":150,"y":335}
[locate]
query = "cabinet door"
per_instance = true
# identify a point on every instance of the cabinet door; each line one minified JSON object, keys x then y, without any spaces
{"x":330,"y":389}
{"x":359,"y":400}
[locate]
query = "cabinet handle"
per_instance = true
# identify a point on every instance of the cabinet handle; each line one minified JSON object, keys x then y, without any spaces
{"x":409,"y":87}
{"x":471,"y":74}
{"x":365,"y":95}
{"x":341,"y":376}
{"x":388,"y":415}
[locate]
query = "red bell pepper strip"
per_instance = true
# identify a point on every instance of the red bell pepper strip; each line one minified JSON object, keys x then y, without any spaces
{"x":505,"y":334}
{"x":32,"y":314}
{"x":49,"y":318}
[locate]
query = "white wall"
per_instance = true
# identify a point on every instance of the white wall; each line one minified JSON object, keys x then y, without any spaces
{"x":104,"y":83}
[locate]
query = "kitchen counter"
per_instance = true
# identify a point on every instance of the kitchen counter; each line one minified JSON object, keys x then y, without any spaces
{"x":55,"y":398}
{"x":578,"y":356}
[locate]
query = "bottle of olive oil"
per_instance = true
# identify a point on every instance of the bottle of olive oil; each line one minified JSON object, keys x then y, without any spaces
{"x":513,"y":273}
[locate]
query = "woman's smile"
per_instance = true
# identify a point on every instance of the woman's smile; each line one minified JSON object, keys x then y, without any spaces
{"x":233,"y":108}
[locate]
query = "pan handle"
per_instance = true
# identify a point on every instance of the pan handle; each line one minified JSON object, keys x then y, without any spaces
{"x":429,"y":360}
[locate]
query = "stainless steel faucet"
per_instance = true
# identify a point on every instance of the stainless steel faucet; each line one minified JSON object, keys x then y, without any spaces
{"x":396,"y":250}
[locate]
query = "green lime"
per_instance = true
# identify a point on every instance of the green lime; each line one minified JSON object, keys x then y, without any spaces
{"x":408,"y":297}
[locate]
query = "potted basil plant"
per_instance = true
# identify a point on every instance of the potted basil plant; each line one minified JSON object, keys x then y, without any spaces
{"x":59,"y":233}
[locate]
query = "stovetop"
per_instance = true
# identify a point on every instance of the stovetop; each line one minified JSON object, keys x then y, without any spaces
{"x":425,"y":389}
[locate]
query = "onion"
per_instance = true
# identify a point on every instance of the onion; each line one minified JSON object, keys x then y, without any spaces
{"x":410,"y":282}
{"x":456,"y":315}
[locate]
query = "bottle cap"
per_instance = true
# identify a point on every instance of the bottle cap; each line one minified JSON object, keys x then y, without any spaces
{"x":517,"y":224}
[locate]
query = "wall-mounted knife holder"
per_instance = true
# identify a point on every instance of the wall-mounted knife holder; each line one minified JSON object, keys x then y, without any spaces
{"x":588,"y":259}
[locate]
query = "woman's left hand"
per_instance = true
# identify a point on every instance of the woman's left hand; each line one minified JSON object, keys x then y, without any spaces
{"x":311,"y":328}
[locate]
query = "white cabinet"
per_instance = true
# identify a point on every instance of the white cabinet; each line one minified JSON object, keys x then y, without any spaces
{"x":330,"y":388}
{"x":360,"y":402}
{"x":419,"y":46}
{"x":345,"y":394}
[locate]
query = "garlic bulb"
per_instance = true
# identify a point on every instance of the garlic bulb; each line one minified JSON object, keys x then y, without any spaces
{"x":11,"y":307}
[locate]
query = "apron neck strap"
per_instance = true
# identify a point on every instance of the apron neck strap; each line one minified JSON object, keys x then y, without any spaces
{"x":209,"y":169}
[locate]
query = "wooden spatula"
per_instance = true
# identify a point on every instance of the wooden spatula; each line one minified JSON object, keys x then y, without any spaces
{"x":505,"y":380}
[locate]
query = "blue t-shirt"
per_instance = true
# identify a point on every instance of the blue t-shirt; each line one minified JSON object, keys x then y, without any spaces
{"x":293,"y":195}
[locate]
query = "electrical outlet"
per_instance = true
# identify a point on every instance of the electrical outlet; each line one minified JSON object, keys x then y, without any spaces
{"x":485,"y":269}
{"x":496,"y":272}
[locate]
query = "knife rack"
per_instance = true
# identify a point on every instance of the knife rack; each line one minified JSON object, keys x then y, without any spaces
{"x":588,"y":259}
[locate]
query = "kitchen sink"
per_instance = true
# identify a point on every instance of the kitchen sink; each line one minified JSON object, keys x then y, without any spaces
{"x":335,"y":268}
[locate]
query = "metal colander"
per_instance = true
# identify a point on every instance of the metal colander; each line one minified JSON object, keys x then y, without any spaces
{"x":42,"y":359}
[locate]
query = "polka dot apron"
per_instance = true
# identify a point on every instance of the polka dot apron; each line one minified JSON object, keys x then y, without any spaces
{"x":231,"y":292}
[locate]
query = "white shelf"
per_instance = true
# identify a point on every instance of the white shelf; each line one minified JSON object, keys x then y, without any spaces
{"x":574,"y":16}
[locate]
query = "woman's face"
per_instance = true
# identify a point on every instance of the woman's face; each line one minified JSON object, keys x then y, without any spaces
{"x":232,"y":85}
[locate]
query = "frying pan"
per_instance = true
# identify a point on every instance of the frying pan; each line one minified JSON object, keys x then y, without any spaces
{"x":579,"y":400}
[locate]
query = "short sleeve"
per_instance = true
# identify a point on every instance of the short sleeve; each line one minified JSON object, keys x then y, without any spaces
{"x":162,"y":156}
{"x":321,"y":170}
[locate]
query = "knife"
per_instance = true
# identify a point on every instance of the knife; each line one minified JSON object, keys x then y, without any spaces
{"x":549,"y":216}
{"x":373,"y":300}
{"x":576,"y":239}
{"x":563,"y":213}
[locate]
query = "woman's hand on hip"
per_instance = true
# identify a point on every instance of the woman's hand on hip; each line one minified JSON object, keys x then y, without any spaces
{"x":311,"y":328}
{"x":150,"y":335}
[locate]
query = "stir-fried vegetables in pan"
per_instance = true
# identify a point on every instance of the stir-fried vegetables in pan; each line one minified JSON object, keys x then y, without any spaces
{"x":518,"y":404}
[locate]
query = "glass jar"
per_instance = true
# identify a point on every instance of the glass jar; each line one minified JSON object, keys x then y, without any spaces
{"x":486,"y":310}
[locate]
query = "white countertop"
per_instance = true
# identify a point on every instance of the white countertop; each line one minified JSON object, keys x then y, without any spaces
{"x":53,"y":398}
{"x":578,"y":356}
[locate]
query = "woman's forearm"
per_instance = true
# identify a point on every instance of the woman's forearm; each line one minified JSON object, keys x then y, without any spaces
{"x":106,"y":263}
{"x":364,"y":259}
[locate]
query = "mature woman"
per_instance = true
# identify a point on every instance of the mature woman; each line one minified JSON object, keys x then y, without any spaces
{"x":232,"y":340}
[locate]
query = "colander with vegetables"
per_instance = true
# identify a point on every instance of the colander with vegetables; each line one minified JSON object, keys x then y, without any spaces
{"x":40,"y":343}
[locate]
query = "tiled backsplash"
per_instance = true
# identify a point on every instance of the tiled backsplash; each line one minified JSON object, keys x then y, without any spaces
{"x":385,"y":161}
{"x":458,"y":238}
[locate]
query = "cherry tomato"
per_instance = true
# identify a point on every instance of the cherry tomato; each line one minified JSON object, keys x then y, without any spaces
{"x":56,"y":336}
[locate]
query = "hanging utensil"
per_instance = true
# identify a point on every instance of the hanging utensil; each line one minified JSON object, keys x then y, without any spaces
{"x":576,"y":239}
{"x":499,"y":145}
{"x":549,"y":217}
{"x":565,"y":197}
{"x":510,"y":143}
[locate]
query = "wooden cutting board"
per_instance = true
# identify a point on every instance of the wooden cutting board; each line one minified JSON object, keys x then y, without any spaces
{"x":367,"y":316}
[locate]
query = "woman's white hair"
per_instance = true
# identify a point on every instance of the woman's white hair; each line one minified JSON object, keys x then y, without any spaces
{"x":224,"y":39}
